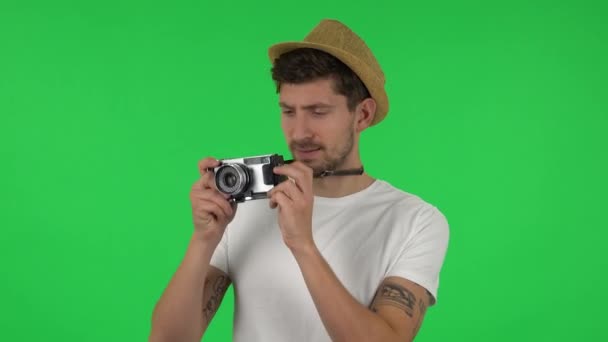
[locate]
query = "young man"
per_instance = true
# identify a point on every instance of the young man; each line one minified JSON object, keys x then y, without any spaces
{"x":335,"y":258}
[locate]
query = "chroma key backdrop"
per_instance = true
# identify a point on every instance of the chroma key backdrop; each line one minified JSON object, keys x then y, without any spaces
{"x":498,"y":116}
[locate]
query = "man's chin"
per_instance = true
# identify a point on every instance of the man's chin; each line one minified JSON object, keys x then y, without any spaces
{"x":308,"y":162}
{"x":314,"y":164}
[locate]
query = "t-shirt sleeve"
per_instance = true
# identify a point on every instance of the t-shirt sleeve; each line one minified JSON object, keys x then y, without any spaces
{"x":219,"y":258}
{"x":422,"y":254}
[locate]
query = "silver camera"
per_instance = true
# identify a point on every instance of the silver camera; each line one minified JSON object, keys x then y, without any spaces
{"x":248,"y":178}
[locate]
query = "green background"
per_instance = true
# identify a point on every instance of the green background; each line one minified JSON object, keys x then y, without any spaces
{"x":499,"y":113}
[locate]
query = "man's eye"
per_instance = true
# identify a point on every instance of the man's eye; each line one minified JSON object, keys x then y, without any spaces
{"x":288,"y":112}
{"x":319,"y":113}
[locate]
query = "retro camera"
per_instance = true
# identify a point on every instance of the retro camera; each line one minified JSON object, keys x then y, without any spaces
{"x":248,"y":178}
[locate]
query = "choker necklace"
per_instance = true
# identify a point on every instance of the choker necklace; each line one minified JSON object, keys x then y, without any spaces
{"x":327,"y":173}
{"x":348,"y":172}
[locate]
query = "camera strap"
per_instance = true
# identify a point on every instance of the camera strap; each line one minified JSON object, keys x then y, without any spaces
{"x":348,"y":172}
{"x":327,"y":173}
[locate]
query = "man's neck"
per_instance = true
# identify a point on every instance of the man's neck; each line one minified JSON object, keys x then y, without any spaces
{"x":340,"y":186}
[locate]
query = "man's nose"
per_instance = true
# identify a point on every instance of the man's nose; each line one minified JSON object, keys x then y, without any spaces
{"x":301,"y":128}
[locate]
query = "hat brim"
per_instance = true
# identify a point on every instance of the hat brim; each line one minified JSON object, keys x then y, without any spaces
{"x":374,"y":85}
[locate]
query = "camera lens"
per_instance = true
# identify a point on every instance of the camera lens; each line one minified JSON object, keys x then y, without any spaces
{"x":232,"y":179}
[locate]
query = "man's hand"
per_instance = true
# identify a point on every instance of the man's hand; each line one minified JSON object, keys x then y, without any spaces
{"x":211,"y":211}
{"x":294,"y":199}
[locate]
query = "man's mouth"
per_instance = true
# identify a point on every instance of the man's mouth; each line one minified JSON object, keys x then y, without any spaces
{"x":306,"y":153}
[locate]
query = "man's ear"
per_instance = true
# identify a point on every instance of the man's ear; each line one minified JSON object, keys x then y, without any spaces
{"x":365,"y":113}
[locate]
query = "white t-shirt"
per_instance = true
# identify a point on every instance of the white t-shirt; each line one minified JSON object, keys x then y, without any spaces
{"x":365,"y":237}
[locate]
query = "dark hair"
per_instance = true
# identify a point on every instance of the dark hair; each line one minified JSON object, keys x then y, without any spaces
{"x":306,"y":65}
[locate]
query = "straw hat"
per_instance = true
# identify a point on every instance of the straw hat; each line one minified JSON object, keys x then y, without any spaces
{"x":338,"y":40}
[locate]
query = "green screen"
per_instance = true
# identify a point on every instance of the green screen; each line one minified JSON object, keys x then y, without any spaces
{"x":499,"y":115}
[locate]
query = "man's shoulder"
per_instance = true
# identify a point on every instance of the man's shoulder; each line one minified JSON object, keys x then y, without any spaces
{"x":392,"y":193}
{"x":403,"y":201}
{"x":417,"y":216}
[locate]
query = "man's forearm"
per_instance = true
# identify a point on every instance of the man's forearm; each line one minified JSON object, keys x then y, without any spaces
{"x":344,"y":318}
{"x":178,"y":314}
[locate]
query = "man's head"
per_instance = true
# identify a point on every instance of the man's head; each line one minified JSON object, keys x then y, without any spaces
{"x":324,"y":105}
{"x":331,"y":88}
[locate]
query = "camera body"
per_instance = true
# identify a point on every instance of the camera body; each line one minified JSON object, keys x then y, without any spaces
{"x":248,"y":178}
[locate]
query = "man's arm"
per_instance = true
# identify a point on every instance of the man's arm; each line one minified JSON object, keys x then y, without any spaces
{"x":396,"y":312}
{"x":402,"y":303}
{"x":192,"y":297}
{"x":216,"y":285}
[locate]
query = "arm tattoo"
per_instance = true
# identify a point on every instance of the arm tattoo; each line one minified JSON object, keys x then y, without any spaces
{"x":218,"y":290}
{"x":395,"y":295}
{"x":422,"y":308}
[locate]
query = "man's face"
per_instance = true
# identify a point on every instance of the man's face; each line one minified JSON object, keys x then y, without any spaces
{"x":316,"y":122}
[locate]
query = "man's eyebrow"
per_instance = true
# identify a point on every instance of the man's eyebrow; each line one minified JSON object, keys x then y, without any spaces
{"x":318,"y":105}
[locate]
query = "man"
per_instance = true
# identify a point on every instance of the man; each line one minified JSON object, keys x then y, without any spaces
{"x":344,"y":257}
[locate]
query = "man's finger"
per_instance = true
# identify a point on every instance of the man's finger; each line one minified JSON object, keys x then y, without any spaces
{"x":297,"y":176}
{"x":302,"y":167}
{"x":290,"y":189}
{"x":282,"y":201}
{"x":208,"y":181}
{"x":218,"y":199}
{"x":301,"y":177}
{"x":272,"y":203}
{"x":212,"y":208}
{"x":207,"y":163}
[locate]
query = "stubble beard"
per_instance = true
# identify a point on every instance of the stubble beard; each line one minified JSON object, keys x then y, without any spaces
{"x":331,"y":161}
